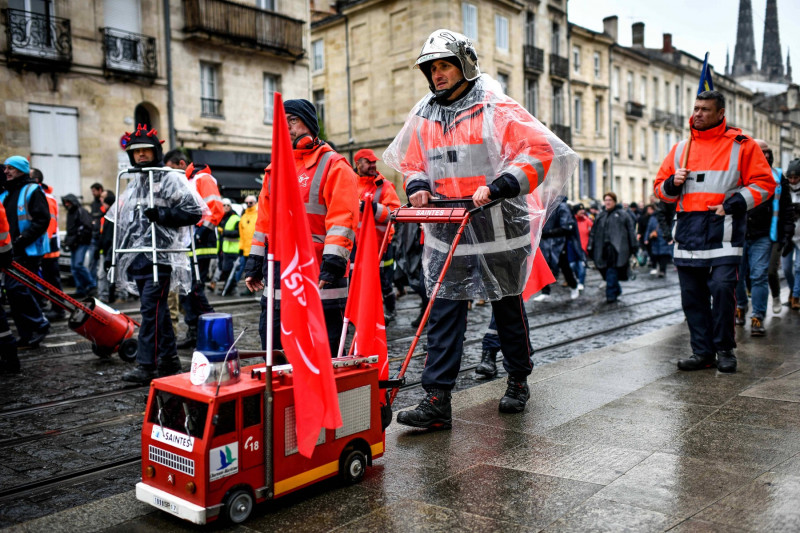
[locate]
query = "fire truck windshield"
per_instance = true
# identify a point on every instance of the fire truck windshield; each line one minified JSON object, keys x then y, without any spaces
{"x":178,"y":413}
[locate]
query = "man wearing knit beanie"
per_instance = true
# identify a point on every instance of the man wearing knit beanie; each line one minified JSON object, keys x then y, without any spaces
{"x":328,"y":188}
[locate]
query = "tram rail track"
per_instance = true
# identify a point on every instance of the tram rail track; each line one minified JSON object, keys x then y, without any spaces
{"x":98,"y":470}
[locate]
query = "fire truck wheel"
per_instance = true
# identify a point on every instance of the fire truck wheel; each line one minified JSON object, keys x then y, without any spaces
{"x":102,"y":352}
{"x":127,"y":350}
{"x":238,"y":506}
{"x":353,"y":466}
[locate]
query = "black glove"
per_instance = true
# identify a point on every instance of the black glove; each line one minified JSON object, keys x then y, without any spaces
{"x":19,"y":249}
{"x":152,"y":214}
{"x":107,"y":264}
{"x":6,"y":258}
{"x":787,"y":248}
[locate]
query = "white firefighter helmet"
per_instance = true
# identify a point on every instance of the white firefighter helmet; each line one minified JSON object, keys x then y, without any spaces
{"x":445,"y":43}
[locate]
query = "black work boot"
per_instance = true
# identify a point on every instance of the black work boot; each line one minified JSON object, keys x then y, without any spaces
{"x":697,"y":362}
{"x":726,"y":362}
{"x":142,"y":374}
{"x":517,"y":394}
{"x":487,"y":368}
{"x":169,"y":366}
{"x":190,"y":340}
{"x":433,"y":412}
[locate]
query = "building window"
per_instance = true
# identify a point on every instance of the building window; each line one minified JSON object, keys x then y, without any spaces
{"x":643,"y":144}
{"x":532,"y":96}
{"x":469,"y":20}
{"x":269,"y":5}
{"x":530,"y":29}
{"x":502,"y":79}
{"x":576,"y":59}
{"x":597,"y":64}
{"x":666,"y":96}
{"x":578,"y":112}
{"x":655,"y":92}
{"x":598,"y":115}
{"x":615,"y":83}
{"x":210,"y":103}
{"x":558,"y":105}
{"x":629,"y":84}
{"x":270,"y":88}
{"x":615,"y":136}
{"x":319,"y":102}
{"x":629,"y":141}
{"x":643,"y":91}
{"x":317,"y":56}
{"x":501,"y":32}
{"x":55,"y":145}
{"x":655,"y":146}
{"x":667,"y":142}
{"x":555,"y":39}
{"x":677,"y":99}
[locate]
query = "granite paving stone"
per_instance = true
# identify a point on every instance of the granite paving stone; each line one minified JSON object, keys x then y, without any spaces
{"x":599,"y":515}
{"x":786,"y":388}
{"x":759,"y":412}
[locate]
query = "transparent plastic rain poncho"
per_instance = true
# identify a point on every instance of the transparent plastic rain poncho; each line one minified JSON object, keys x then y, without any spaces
{"x":472,"y":142}
{"x":170,"y":190}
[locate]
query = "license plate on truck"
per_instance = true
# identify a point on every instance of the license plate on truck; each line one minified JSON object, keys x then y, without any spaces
{"x":164,"y":504}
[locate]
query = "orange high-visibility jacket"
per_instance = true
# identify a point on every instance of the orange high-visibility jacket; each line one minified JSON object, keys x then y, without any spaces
{"x":385,"y":195}
{"x":201,"y":180}
{"x":5,"y":234}
{"x":728,"y":168}
{"x":328,"y":188}
{"x":52,"y":229}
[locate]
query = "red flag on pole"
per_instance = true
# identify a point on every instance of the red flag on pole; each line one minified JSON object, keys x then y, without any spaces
{"x":364,"y":309}
{"x":303,"y":333}
{"x":540,"y":277}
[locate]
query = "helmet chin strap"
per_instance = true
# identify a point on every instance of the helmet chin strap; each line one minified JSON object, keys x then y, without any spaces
{"x":445,"y":94}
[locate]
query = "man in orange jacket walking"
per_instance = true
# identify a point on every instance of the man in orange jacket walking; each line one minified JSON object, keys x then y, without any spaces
{"x":385,"y":200}
{"x":328,"y":188}
{"x":726,"y":175}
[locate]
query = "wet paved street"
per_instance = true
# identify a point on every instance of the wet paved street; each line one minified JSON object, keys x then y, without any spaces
{"x":613,"y":432}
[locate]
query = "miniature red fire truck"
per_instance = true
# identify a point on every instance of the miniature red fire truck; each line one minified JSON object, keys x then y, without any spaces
{"x":203,"y":453}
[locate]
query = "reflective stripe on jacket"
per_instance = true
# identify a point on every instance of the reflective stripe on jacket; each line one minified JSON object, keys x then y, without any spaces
{"x":727,"y":168}
{"x":41,"y":245}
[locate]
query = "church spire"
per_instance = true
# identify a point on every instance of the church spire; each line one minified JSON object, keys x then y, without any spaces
{"x":788,"y":68}
{"x":771,"y":60}
{"x":744,"y":55}
{"x":727,"y":61}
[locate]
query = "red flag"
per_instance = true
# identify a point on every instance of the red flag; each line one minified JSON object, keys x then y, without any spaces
{"x":363,"y":309}
{"x":541,"y":276}
{"x":303,"y":333}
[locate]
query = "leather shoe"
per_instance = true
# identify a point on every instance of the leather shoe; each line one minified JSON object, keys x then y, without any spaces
{"x":757,"y":328}
{"x":36,"y":339}
{"x":141,"y":374}
{"x":697,"y":362}
{"x":487,"y":368}
{"x":434,"y":412}
{"x":726,"y":362}
{"x":516,"y":396}
{"x":169,"y":366}
{"x":739,"y":320}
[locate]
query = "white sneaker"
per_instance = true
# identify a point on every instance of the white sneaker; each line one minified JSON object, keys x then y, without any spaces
{"x":542,"y":298}
{"x":580,"y":286}
{"x":776,"y":305}
{"x":654,"y":272}
{"x":574,"y":293}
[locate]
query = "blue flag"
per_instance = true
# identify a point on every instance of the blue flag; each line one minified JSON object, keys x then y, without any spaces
{"x":705,"y":77}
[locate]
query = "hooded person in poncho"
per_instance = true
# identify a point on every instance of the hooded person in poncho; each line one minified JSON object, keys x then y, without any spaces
{"x":466,"y":139}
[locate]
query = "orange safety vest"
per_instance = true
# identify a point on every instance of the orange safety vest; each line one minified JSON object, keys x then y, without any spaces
{"x":52,"y":229}
{"x":5,"y":234}
{"x":201,"y":180}
{"x":385,"y":195}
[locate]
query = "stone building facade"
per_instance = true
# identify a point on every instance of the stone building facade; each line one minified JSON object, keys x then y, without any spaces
{"x":76,"y":74}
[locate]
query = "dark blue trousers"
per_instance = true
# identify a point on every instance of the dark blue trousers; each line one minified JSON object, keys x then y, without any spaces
{"x":446,"y":329}
{"x":196,"y":303}
{"x":156,"y":336}
{"x":25,"y":309}
{"x":711,"y":331}
{"x":334,"y":321}
{"x":491,"y":341}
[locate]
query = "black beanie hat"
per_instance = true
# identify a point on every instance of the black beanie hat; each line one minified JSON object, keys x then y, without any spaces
{"x":305,"y":111}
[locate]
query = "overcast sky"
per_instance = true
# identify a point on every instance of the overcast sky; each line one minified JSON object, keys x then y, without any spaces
{"x":697,"y":26}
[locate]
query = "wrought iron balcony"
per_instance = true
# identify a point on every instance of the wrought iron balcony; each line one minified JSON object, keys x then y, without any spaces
{"x":534,"y":58}
{"x":634,"y":109}
{"x":244,"y":25}
{"x":563,"y":132}
{"x":129,"y":53}
{"x":559,"y":66}
{"x":35,"y":39}
{"x":211,"y":107}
